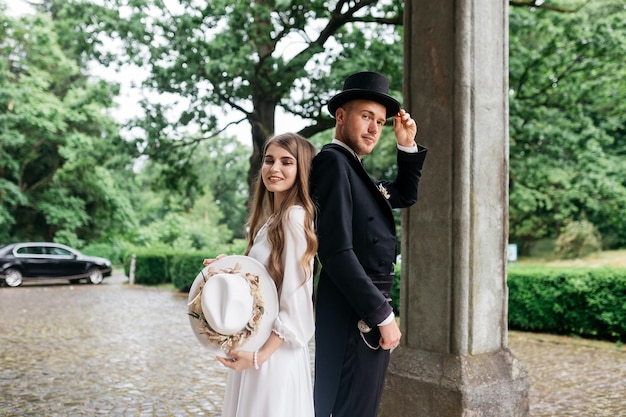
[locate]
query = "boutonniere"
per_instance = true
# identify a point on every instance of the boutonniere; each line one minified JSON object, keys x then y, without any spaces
{"x":383,"y":191}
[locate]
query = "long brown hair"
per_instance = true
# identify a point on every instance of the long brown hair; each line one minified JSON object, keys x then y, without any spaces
{"x":262,"y":209}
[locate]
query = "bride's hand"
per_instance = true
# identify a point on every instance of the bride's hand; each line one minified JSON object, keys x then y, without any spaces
{"x":238,"y":360}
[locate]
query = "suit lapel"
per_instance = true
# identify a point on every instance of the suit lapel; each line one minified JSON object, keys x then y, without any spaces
{"x":367,"y":180}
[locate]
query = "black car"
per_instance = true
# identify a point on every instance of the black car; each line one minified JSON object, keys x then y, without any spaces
{"x":43,"y":260}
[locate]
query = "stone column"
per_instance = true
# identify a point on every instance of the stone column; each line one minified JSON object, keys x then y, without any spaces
{"x":454,"y":359}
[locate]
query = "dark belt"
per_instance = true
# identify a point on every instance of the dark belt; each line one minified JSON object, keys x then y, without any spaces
{"x":383,"y":282}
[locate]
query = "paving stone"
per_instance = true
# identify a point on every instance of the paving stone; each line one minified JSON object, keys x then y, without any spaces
{"x":571,"y":376}
{"x":119,"y":350}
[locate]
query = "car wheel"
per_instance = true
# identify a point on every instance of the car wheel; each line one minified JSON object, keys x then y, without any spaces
{"x":13,"y":277}
{"x":95,"y":276}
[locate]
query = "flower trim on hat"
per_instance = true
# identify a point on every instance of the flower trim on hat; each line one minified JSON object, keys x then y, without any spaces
{"x":228,"y":342}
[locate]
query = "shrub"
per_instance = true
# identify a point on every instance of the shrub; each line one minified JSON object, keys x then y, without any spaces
{"x":185,"y":267}
{"x":163,"y":264}
{"x":151,"y":266}
{"x":583,"y":301}
{"x":578,"y":238}
{"x":115,"y":252}
{"x":103,"y":250}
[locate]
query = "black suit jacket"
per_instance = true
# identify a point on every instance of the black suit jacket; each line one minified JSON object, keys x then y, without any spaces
{"x":357,"y":239}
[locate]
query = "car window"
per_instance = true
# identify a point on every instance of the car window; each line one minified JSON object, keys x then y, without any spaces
{"x":30,"y":250}
{"x":53,"y":250}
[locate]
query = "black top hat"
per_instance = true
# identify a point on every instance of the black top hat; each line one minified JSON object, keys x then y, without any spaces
{"x":365,"y":86}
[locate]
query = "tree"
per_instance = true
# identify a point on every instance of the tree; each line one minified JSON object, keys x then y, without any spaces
{"x":222,"y":166}
{"x":57,"y":144}
{"x":220,"y":200}
{"x":567,"y":106}
{"x":246,"y":59}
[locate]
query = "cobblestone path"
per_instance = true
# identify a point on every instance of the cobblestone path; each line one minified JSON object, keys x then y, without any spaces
{"x":110,"y":350}
{"x":119,"y":350}
{"x":572,"y":377}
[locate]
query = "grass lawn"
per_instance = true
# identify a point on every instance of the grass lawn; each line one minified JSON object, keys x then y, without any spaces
{"x":611,"y":258}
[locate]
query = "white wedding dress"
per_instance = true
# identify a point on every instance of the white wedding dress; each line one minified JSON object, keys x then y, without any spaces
{"x":282,"y":387}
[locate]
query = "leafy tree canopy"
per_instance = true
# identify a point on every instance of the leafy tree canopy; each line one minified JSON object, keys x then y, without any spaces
{"x":567,"y":107}
{"x":246,"y":59}
{"x":58,"y":147}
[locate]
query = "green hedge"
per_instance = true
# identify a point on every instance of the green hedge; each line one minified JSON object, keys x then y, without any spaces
{"x":151,"y":266}
{"x":161,"y":265}
{"x":589,"y":302}
{"x":185,"y":267}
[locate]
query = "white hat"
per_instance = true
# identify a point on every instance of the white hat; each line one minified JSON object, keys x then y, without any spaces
{"x":232,"y":304}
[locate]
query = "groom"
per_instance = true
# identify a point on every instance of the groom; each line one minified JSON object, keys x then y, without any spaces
{"x":355,"y":324}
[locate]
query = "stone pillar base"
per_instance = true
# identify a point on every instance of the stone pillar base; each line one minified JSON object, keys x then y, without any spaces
{"x":428,"y":384}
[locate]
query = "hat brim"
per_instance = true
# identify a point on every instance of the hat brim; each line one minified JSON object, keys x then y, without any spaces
{"x":391,"y":104}
{"x":268,"y":292}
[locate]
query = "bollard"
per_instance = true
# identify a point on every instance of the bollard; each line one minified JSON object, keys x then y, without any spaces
{"x":131,"y":278}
